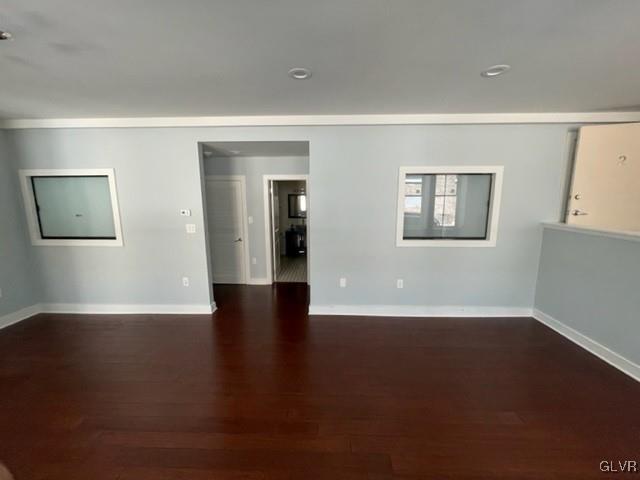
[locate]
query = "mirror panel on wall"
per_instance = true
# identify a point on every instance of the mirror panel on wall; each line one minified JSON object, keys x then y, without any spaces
{"x":297,"y":205}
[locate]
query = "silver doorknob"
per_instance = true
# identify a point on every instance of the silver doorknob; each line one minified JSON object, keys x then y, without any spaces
{"x":238,"y":240}
{"x":577,"y":212}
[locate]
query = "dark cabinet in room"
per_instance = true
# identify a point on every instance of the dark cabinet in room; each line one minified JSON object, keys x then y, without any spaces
{"x":296,"y":240}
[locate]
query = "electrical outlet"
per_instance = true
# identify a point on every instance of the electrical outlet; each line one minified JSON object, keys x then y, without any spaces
{"x":254,"y":260}
{"x":185,"y":281}
{"x":343,"y":282}
{"x":249,"y":219}
{"x":185,"y":212}
{"x":190,"y":227}
{"x":400,"y":283}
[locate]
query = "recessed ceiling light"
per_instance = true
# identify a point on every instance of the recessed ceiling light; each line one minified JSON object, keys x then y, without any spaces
{"x":5,"y":35}
{"x":495,"y":70}
{"x":300,"y":73}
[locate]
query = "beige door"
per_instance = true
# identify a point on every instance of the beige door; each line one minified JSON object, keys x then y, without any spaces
{"x":605,"y":191}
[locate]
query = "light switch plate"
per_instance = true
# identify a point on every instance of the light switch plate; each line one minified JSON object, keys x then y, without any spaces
{"x":190,"y":227}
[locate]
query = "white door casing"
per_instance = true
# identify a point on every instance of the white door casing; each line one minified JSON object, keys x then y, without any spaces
{"x":276,"y":228}
{"x":268,"y":234}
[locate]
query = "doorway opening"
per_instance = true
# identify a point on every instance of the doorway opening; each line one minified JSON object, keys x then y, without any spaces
{"x":242,"y":245}
{"x":287,"y":218}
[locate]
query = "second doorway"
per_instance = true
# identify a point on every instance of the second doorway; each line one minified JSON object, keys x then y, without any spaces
{"x":288,"y":217}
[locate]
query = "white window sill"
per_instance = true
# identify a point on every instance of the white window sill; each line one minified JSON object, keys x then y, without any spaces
{"x":77,"y":243}
{"x":599,"y":232}
{"x":445,"y":243}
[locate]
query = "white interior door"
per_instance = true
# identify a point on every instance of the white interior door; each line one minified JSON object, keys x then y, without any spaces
{"x":225,"y":211}
{"x":605,"y":191}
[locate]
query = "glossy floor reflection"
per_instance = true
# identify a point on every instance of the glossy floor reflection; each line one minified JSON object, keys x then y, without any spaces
{"x":260,"y":391}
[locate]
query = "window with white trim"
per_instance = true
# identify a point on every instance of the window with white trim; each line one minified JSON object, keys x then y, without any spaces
{"x":72,"y":207}
{"x":448,"y":206}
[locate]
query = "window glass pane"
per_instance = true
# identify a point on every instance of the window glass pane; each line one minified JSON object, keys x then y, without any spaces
{"x":440,"y":183}
{"x":74,"y":207}
{"x":451,"y":184}
{"x":413,"y":205}
{"x":456,"y":207}
{"x":413,"y":186}
{"x":449,"y":212}
{"x":438,"y":210}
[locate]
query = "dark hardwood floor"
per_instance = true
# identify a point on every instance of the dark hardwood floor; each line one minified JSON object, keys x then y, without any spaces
{"x":259,"y":391}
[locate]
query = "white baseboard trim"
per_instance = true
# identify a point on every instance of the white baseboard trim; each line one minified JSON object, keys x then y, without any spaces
{"x":32,"y":310}
{"x":419,"y":311}
{"x":258,"y":281}
{"x":108,"y":308}
{"x":20,"y":315}
{"x":604,"y":353}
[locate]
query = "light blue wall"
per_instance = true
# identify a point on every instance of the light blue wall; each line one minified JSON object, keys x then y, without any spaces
{"x":353,"y":190}
{"x":254,"y":168}
{"x":590,"y":283}
{"x":19,"y":286}
{"x":354,"y":174}
{"x":157,"y":174}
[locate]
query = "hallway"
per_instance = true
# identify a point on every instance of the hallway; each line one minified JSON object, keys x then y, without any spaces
{"x":292,"y":269}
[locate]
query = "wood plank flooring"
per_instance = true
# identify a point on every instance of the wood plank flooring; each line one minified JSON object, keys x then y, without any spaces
{"x":260,"y":391}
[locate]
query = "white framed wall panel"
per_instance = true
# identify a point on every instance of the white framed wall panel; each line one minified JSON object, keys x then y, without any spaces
{"x":497,"y":173}
{"x":32,"y":215}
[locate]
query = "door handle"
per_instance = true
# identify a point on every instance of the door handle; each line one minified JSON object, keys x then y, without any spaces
{"x":238,"y":240}
{"x":577,"y":212}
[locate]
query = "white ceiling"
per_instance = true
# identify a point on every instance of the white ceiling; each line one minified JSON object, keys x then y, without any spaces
{"x":110,"y":58}
{"x":257,"y":149}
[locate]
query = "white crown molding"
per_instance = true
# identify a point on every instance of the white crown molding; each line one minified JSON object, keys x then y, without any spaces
{"x":318,"y":120}
{"x":419,"y":311}
{"x":108,"y":308}
{"x":612,"y":358}
{"x":20,"y":315}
